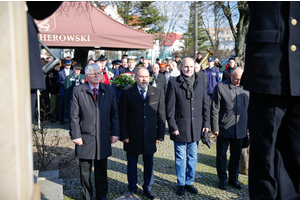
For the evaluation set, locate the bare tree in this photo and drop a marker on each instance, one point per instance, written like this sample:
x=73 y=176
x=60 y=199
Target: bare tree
x=218 y=14
x=243 y=22
x=172 y=13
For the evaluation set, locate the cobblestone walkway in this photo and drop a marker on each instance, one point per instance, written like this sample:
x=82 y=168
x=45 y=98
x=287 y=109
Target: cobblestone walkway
x=206 y=180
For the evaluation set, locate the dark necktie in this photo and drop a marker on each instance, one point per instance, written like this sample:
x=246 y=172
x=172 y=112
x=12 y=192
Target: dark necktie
x=142 y=93
x=95 y=93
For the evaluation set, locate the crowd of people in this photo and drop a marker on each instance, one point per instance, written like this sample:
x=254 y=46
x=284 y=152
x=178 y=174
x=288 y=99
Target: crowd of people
x=181 y=94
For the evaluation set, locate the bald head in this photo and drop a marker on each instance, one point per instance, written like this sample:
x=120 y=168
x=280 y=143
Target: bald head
x=236 y=76
x=187 y=67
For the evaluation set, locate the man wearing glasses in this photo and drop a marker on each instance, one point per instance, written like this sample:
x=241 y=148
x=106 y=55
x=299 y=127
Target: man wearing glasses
x=229 y=122
x=94 y=125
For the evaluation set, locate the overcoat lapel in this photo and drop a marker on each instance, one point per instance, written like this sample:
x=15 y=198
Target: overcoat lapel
x=135 y=92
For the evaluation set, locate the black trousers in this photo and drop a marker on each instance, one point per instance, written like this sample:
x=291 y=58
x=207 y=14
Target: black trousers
x=132 y=161
x=274 y=165
x=235 y=154
x=100 y=172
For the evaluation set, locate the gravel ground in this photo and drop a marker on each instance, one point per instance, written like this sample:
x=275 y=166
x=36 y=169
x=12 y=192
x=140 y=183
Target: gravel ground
x=206 y=180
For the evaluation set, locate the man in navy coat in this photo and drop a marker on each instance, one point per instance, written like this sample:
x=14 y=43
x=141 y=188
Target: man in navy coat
x=187 y=115
x=94 y=125
x=272 y=75
x=61 y=81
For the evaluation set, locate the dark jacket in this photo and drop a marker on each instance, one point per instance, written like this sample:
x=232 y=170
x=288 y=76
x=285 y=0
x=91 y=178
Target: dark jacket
x=61 y=80
x=160 y=83
x=142 y=121
x=51 y=80
x=226 y=73
x=188 y=116
x=93 y=121
x=271 y=65
x=212 y=79
x=203 y=75
x=229 y=110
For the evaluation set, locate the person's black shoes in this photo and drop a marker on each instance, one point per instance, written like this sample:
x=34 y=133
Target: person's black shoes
x=180 y=190
x=149 y=194
x=222 y=185
x=191 y=189
x=61 y=123
x=235 y=184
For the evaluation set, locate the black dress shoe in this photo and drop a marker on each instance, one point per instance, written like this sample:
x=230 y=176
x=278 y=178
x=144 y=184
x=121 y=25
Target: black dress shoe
x=191 y=189
x=149 y=194
x=235 y=184
x=222 y=185
x=61 y=123
x=180 y=190
x=52 y=120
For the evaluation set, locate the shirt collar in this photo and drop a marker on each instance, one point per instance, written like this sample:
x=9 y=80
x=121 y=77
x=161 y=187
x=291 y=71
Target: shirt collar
x=91 y=87
x=139 y=89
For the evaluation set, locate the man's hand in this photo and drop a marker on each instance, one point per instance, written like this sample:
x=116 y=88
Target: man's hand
x=114 y=139
x=205 y=129
x=126 y=140
x=176 y=132
x=216 y=133
x=78 y=141
x=158 y=141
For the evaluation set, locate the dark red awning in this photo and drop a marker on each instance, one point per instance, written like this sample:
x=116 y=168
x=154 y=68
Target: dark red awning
x=81 y=24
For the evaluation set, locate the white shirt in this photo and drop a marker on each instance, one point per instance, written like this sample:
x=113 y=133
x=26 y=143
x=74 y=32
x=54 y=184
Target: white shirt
x=67 y=71
x=145 y=93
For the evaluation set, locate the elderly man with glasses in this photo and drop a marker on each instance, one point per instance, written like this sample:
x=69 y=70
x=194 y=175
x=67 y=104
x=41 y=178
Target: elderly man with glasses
x=94 y=125
x=229 y=120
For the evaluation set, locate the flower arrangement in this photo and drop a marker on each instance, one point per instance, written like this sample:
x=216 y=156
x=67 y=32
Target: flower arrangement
x=123 y=80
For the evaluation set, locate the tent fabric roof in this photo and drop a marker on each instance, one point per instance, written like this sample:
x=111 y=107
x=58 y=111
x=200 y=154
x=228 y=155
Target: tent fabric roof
x=81 y=24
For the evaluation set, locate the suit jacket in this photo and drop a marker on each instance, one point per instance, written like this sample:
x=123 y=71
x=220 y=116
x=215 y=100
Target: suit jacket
x=93 y=121
x=68 y=88
x=271 y=65
x=142 y=121
x=188 y=116
x=61 y=80
x=160 y=83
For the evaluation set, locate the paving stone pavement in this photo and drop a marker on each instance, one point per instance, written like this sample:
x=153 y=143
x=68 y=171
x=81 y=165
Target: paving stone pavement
x=206 y=180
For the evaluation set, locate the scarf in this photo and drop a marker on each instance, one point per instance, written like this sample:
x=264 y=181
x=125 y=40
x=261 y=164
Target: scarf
x=189 y=80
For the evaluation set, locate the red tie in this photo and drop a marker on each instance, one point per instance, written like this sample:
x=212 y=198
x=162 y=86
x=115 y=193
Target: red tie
x=95 y=93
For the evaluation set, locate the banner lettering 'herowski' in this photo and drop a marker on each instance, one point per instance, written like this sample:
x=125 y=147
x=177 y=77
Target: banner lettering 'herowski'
x=64 y=38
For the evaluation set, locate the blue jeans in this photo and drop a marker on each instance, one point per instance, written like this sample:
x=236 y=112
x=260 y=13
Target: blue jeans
x=185 y=171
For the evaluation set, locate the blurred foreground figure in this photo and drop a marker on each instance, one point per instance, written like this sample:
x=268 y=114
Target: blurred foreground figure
x=272 y=76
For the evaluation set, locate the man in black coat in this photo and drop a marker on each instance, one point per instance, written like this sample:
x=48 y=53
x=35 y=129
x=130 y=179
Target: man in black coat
x=229 y=122
x=187 y=115
x=159 y=80
x=54 y=90
x=142 y=122
x=94 y=125
x=272 y=76
x=231 y=67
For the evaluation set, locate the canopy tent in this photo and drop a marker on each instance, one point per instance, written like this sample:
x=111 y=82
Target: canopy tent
x=81 y=24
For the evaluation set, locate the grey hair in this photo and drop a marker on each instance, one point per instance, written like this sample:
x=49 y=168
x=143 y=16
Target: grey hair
x=234 y=69
x=92 y=66
x=137 y=71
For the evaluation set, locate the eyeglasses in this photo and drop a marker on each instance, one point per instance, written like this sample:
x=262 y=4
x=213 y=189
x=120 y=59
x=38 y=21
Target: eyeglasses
x=94 y=74
x=236 y=78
